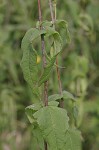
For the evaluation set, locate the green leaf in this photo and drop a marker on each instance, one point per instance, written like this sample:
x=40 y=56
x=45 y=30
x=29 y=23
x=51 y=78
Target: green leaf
x=73 y=140
x=29 y=68
x=47 y=71
x=53 y=122
x=54 y=97
x=43 y=24
x=34 y=107
x=52 y=50
x=29 y=59
x=75 y=112
x=46 y=24
x=37 y=134
x=67 y=95
x=50 y=32
x=64 y=26
x=53 y=103
x=30 y=110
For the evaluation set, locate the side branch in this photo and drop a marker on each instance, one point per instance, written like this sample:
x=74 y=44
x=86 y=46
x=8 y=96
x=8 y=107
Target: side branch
x=53 y=17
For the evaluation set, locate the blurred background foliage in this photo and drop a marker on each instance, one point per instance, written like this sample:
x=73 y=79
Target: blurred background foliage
x=80 y=77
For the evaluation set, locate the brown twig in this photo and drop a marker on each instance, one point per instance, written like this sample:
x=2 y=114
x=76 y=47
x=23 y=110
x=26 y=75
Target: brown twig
x=44 y=63
x=53 y=17
x=43 y=56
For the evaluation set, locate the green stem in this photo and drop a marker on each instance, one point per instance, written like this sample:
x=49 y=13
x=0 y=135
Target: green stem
x=51 y=11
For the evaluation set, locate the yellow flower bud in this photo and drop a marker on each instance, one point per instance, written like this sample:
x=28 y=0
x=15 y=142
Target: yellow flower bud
x=38 y=59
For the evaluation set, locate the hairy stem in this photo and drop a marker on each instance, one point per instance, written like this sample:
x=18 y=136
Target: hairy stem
x=53 y=17
x=44 y=62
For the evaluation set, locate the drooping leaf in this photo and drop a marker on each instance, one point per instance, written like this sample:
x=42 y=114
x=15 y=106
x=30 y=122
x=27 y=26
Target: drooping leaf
x=57 y=40
x=47 y=71
x=50 y=32
x=64 y=26
x=29 y=59
x=53 y=122
x=68 y=95
x=29 y=67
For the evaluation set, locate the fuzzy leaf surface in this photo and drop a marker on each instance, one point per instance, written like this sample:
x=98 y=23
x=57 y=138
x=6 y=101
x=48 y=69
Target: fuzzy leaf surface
x=37 y=134
x=29 y=59
x=73 y=140
x=53 y=122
